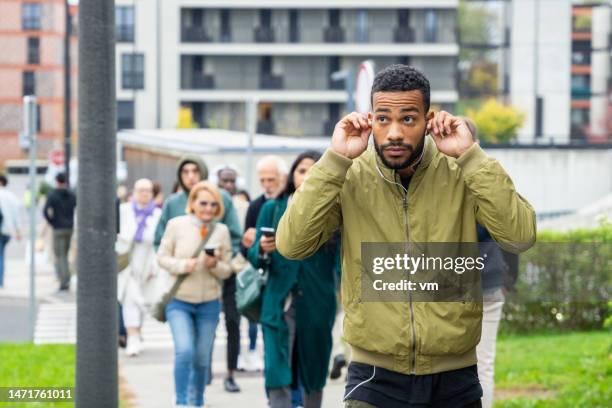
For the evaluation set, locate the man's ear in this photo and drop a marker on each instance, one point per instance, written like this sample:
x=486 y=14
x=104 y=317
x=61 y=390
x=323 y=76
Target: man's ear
x=429 y=115
x=370 y=116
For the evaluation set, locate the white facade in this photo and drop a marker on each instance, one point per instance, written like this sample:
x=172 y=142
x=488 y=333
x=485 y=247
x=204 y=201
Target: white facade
x=541 y=63
x=600 y=66
x=145 y=100
x=158 y=35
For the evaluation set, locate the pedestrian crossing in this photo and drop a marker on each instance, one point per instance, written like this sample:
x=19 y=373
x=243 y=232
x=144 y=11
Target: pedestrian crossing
x=56 y=323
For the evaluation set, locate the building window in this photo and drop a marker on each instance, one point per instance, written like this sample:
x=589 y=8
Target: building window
x=132 y=71
x=403 y=18
x=125 y=115
x=431 y=24
x=361 y=35
x=38 y=118
x=404 y=60
x=294 y=30
x=265 y=18
x=265 y=32
x=124 y=24
x=29 y=84
x=334 y=18
x=226 y=32
x=334 y=66
x=33 y=50
x=30 y=16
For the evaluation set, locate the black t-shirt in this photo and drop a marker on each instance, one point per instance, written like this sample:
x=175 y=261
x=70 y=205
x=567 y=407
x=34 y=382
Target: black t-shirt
x=389 y=389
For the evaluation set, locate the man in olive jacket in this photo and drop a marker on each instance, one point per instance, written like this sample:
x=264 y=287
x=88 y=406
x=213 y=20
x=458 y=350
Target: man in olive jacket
x=407 y=187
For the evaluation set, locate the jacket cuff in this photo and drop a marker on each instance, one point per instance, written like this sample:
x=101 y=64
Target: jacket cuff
x=472 y=159
x=335 y=164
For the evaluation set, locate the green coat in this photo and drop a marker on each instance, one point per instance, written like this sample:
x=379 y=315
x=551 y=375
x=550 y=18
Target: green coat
x=315 y=308
x=445 y=199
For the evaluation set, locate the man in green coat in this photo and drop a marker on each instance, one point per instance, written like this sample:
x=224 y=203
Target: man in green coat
x=407 y=187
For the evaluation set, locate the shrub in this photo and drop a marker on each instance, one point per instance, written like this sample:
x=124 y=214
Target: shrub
x=564 y=283
x=496 y=123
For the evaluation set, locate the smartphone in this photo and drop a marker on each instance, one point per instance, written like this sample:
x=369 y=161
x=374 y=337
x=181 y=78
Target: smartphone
x=268 y=232
x=210 y=250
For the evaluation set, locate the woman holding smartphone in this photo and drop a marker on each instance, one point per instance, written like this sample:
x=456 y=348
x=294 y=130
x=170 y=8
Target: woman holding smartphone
x=193 y=314
x=298 y=305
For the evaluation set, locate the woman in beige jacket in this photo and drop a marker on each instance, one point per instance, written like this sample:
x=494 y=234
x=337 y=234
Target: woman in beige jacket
x=193 y=314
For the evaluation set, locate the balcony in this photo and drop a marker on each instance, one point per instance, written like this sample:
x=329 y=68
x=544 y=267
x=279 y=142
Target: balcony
x=403 y=35
x=264 y=34
x=198 y=82
x=334 y=35
x=195 y=34
x=269 y=81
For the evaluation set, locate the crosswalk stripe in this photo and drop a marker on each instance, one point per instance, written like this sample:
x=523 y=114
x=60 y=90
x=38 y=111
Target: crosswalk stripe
x=56 y=323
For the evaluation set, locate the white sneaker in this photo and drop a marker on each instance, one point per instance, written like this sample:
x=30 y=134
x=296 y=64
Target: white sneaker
x=133 y=346
x=242 y=364
x=254 y=362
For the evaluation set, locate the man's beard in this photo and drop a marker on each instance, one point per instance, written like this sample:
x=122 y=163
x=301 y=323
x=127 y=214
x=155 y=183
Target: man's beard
x=416 y=153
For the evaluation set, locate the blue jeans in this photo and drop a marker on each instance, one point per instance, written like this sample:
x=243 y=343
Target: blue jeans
x=4 y=239
x=193 y=328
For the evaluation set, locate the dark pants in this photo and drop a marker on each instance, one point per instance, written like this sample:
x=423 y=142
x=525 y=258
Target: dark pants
x=232 y=322
x=4 y=239
x=61 y=245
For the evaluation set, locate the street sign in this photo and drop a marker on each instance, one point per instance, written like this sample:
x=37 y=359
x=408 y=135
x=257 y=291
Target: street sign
x=56 y=157
x=363 y=88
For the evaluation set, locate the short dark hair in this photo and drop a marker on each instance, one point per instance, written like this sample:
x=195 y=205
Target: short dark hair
x=3 y=180
x=60 y=177
x=400 y=78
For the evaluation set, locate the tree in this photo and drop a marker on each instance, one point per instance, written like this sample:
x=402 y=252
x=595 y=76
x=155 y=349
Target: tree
x=496 y=123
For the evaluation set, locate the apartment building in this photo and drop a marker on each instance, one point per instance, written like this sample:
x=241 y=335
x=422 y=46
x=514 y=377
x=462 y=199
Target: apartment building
x=212 y=57
x=32 y=36
x=591 y=104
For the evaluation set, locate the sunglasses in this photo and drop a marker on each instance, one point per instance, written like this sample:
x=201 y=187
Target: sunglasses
x=212 y=204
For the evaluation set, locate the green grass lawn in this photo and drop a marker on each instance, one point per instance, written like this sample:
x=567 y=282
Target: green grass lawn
x=27 y=365
x=550 y=370
x=554 y=370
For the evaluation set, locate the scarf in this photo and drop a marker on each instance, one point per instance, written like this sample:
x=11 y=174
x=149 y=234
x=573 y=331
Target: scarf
x=141 y=215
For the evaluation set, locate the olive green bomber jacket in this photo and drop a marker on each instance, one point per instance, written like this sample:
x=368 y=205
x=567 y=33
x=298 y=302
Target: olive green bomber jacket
x=445 y=199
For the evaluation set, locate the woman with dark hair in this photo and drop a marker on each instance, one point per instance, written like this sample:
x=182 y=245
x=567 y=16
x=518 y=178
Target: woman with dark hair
x=299 y=303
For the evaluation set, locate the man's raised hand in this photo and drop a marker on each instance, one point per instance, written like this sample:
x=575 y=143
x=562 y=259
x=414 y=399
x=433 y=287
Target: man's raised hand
x=451 y=134
x=351 y=134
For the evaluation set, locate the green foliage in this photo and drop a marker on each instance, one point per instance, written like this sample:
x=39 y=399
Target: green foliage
x=564 y=283
x=582 y=23
x=496 y=123
x=475 y=27
x=554 y=371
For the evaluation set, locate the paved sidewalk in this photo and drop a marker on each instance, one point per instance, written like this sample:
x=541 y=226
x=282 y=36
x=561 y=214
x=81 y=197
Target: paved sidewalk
x=149 y=377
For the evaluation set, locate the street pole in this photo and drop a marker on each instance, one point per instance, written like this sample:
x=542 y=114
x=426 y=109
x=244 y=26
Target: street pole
x=96 y=365
x=29 y=128
x=67 y=95
x=251 y=121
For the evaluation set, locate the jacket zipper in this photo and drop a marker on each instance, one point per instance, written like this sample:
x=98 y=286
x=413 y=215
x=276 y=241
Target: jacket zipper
x=407 y=229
